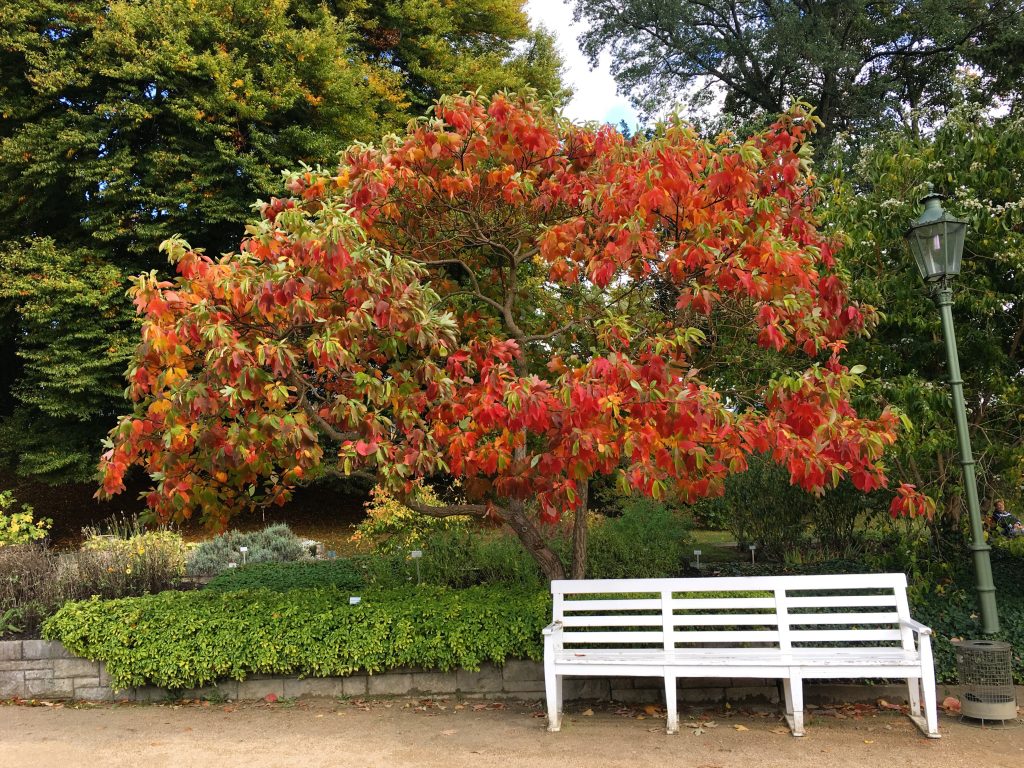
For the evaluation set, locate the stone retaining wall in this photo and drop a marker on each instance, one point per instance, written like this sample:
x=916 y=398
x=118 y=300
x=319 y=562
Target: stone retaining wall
x=42 y=669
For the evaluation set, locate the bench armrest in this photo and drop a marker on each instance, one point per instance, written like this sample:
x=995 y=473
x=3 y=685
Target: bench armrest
x=916 y=626
x=550 y=629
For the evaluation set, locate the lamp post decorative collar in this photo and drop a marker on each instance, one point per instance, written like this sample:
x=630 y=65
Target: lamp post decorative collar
x=936 y=240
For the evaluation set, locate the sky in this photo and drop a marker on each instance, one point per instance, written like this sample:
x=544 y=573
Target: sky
x=596 y=96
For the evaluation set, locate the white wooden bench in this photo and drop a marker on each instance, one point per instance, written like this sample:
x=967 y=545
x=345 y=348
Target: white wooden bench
x=783 y=627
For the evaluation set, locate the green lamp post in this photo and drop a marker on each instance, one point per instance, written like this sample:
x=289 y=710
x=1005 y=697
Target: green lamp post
x=937 y=241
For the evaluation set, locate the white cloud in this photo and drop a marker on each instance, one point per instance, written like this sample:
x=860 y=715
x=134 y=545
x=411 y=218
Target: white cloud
x=595 y=96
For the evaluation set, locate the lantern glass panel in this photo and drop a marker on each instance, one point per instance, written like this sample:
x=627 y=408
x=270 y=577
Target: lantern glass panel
x=938 y=248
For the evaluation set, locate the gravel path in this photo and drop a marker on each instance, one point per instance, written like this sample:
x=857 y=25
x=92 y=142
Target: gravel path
x=448 y=734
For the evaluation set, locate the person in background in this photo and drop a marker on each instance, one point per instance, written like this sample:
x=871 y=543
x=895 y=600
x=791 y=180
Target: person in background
x=1005 y=523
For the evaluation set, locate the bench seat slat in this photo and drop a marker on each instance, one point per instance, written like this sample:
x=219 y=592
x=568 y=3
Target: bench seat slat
x=732 y=583
x=871 y=657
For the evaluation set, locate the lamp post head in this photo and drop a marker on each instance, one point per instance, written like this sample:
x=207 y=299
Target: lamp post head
x=936 y=240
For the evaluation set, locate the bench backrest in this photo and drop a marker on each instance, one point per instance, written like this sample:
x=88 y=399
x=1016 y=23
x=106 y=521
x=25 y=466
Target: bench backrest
x=751 y=613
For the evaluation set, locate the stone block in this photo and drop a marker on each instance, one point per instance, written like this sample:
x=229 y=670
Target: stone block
x=38 y=674
x=648 y=682
x=759 y=694
x=44 y=649
x=94 y=693
x=50 y=688
x=519 y=670
x=147 y=693
x=434 y=682
x=390 y=684
x=314 y=686
x=76 y=668
x=252 y=689
x=12 y=684
x=521 y=686
x=586 y=688
x=487 y=680
x=10 y=650
x=701 y=695
x=634 y=696
x=225 y=689
x=623 y=683
x=25 y=664
x=701 y=682
x=354 y=685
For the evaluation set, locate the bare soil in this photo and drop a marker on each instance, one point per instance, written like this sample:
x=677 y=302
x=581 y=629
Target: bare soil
x=452 y=734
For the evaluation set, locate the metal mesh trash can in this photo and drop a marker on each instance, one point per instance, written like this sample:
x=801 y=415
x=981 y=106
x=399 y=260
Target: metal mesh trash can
x=986 y=673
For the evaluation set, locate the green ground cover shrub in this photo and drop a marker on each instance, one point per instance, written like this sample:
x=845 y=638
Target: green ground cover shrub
x=187 y=639
x=275 y=543
x=343 y=574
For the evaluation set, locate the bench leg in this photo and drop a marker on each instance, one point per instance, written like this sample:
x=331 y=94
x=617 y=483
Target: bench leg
x=553 y=690
x=793 y=689
x=672 y=724
x=914 y=695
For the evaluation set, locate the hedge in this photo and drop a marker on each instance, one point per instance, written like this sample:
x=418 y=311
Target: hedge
x=182 y=640
x=342 y=574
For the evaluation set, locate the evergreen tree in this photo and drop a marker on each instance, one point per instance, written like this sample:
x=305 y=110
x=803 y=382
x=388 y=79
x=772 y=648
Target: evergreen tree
x=126 y=122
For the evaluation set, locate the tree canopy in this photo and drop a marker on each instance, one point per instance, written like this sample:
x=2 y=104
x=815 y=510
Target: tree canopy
x=464 y=300
x=124 y=123
x=863 y=65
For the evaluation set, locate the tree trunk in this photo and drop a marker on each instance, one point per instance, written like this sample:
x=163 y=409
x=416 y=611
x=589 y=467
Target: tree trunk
x=579 y=535
x=550 y=564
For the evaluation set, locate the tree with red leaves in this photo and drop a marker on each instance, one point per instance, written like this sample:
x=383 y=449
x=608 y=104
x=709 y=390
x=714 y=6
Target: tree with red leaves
x=517 y=301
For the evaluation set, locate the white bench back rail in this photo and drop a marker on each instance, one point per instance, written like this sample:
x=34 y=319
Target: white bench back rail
x=746 y=614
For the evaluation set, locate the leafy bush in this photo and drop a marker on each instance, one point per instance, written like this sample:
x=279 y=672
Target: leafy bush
x=342 y=574
x=648 y=540
x=390 y=526
x=275 y=543
x=187 y=639
x=20 y=527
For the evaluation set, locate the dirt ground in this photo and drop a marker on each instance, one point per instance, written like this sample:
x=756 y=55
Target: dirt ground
x=450 y=734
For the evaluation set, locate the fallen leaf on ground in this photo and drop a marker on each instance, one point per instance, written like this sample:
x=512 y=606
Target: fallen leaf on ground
x=587 y=713
x=739 y=727
x=869 y=741
x=951 y=704
x=448 y=732
x=780 y=730
x=650 y=709
x=710 y=724
x=883 y=704
x=691 y=724
x=270 y=698
x=697 y=731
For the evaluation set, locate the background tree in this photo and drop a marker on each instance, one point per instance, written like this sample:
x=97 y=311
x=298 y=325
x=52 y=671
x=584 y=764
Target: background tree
x=862 y=65
x=978 y=161
x=486 y=330
x=127 y=122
